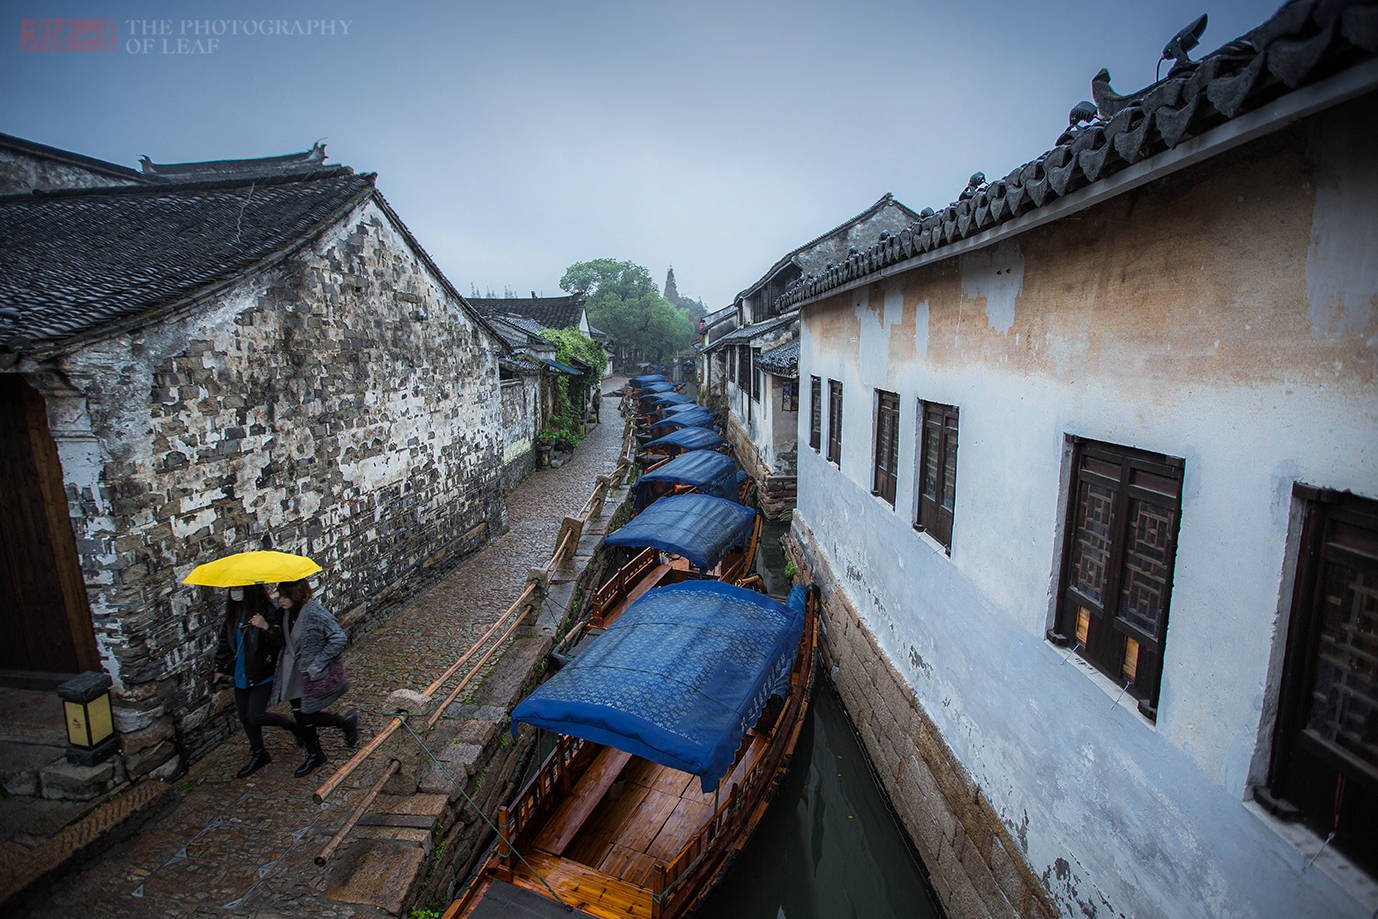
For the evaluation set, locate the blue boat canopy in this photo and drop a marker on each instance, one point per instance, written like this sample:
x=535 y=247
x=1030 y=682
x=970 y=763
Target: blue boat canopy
x=563 y=368
x=657 y=387
x=701 y=528
x=678 y=679
x=706 y=471
x=689 y=439
x=670 y=398
x=683 y=407
x=647 y=378
x=703 y=419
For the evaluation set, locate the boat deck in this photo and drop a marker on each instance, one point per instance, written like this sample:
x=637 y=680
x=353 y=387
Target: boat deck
x=599 y=852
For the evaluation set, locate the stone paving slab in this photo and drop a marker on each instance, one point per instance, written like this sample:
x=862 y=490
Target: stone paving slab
x=245 y=847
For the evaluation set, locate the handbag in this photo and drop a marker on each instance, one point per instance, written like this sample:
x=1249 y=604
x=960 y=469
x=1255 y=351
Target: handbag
x=332 y=682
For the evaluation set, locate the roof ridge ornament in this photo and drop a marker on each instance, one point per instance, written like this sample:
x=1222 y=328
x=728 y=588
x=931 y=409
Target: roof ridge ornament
x=1176 y=49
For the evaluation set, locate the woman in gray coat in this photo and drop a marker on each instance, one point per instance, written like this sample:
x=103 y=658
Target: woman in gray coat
x=312 y=676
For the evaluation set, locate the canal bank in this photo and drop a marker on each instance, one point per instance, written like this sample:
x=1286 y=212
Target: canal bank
x=976 y=864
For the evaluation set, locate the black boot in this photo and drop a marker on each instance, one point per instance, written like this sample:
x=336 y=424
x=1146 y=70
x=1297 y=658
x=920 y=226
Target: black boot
x=315 y=758
x=258 y=758
x=351 y=729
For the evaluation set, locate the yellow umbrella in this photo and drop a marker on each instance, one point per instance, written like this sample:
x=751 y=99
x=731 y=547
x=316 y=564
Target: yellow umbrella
x=242 y=568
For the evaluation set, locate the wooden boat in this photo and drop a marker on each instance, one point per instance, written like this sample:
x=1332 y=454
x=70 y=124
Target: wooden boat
x=674 y=730
x=704 y=472
x=680 y=441
x=679 y=538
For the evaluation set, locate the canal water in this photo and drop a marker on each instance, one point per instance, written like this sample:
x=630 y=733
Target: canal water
x=829 y=847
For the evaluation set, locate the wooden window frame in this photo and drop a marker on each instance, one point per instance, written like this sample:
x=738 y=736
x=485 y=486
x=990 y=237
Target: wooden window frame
x=730 y=358
x=835 y=423
x=816 y=414
x=1311 y=778
x=932 y=514
x=789 y=396
x=884 y=466
x=1111 y=643
x=756 y=374
x=743 y=366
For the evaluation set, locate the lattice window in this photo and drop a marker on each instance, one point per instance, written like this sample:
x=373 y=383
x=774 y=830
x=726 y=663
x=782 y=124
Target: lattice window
x=937 y=471
x=1120 y=545
x=887 y=444
x=756 y=374
x=835 y=422
x=1324 y=767
x=789 y=396
x=815 y=413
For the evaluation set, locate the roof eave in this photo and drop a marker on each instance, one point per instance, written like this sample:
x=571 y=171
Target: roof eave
x=1267 y=119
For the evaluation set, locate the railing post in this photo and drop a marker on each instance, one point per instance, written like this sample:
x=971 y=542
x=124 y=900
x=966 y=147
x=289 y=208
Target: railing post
x=657 y=889
x=504 y=846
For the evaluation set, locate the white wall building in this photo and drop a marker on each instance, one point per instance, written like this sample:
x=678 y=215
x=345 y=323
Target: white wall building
x=1088 y=469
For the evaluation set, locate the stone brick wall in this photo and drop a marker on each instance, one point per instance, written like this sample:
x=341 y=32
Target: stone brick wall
x=977 y=865
x=341 y=403
x=521 y=416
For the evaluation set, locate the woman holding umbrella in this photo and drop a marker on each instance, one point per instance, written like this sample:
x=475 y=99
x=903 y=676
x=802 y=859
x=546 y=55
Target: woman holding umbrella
x=312 y=673
x=247 y=651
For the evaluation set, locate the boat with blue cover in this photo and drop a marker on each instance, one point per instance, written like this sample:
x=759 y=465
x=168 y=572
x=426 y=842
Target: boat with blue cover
x=674 y=539
x=673 y=731
x=704 y=472
x=681 y=441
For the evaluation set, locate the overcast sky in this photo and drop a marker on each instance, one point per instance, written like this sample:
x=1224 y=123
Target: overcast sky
x=515 y=138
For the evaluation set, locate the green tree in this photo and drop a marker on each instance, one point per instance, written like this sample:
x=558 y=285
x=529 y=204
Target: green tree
x=622 y=300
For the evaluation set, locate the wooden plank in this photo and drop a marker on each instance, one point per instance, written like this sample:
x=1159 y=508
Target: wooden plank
x=575 y=809
x=671 y=781
x=588 y=849
x=584 y=888
x=686 y=820
x=611 y=817
x=643 y=825
x=629 y=864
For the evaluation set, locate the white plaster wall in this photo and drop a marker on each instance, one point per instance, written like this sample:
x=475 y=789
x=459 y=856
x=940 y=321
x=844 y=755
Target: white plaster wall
x=1116 y=812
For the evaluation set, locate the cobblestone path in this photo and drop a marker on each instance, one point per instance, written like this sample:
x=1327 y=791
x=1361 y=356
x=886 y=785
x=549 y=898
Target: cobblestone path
x=235 y=847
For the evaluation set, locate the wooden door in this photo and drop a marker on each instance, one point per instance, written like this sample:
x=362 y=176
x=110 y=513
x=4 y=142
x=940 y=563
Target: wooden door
x=45 y=621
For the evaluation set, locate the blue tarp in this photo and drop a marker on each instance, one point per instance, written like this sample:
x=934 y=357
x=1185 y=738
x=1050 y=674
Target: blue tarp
x=683 y=407
x=678 y=679
x=708 y=472
x=657 y=387
x=563 y=368
x=703 y=419
x=701 y=528
x=689 y=439
x=647 y=378
x=670 y=398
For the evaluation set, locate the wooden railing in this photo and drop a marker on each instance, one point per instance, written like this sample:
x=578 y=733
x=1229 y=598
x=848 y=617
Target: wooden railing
x=607 y=596
x=487 y=645
x=555 y=777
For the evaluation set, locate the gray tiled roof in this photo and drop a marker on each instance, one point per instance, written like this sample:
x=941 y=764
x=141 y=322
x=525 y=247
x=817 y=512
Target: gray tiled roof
x=75 y=261
x=782 y=361
x=550 y=312
x=1304 y=42
x=748 y=332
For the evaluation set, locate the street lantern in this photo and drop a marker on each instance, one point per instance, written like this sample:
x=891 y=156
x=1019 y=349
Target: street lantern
x=90 y=727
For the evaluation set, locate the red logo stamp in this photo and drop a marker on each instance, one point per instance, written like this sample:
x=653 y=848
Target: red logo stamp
x=37 y=35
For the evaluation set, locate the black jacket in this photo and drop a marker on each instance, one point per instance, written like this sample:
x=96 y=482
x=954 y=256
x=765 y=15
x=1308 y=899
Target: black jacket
x=261 y=646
